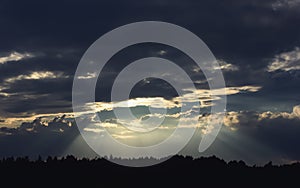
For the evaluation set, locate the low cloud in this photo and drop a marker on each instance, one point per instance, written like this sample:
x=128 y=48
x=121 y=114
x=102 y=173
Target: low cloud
x=295 y=114
x=234 y=120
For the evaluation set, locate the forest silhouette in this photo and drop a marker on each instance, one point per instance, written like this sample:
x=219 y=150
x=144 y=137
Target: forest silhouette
x=177 y=171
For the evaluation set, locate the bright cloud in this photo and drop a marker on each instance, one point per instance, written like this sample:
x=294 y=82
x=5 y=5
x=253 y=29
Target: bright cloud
x=15 y=56
x=218 y=65
x=89 y=75
x=95 y=130
x=37 y=76
x=286 y=61
x=2 y=93
x=155 y=102
x=162 y=52
x=226 y=66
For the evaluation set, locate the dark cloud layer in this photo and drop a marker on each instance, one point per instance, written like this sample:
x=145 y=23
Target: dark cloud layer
x=247 y=34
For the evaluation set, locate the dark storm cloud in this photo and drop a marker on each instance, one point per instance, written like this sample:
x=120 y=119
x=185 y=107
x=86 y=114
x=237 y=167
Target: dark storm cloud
x=247 y=34
x=238 y=28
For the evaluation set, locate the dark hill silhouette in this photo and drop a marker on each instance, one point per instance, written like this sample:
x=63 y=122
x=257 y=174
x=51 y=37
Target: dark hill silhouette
x=177 y=171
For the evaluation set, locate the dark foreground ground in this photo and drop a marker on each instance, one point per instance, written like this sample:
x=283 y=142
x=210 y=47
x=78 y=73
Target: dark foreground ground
x=176 y=172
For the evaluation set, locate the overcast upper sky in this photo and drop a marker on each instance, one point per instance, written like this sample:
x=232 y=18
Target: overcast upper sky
x=256 y=43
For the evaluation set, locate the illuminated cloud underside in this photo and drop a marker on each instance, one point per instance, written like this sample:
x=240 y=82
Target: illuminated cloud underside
x=15 y=56
x=189 y=119
x=286 y=61
x=200 y=95
x=222 y=65
x=36 y=75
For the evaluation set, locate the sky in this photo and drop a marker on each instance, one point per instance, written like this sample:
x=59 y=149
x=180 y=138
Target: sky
x=256 y=43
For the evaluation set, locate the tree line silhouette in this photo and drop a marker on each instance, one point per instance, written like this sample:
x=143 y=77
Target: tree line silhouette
x=177 y=171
